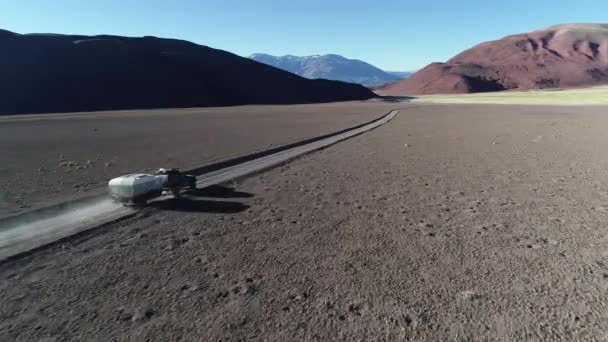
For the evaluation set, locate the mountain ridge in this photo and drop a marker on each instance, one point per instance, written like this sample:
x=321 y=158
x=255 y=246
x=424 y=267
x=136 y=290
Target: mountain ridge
x=45 y=73
x=565 y=55
x=329 y=66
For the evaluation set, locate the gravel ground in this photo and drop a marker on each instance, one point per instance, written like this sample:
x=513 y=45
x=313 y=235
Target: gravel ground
x=46 y=159
x=448 y=223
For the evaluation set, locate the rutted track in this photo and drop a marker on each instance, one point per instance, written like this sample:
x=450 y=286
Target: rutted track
x=34 y=229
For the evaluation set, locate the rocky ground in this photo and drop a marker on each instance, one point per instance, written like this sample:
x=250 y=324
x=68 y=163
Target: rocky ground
x=448 y=223
x=50 y=158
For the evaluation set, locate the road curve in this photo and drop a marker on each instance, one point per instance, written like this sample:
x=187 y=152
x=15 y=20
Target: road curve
x=34 y=229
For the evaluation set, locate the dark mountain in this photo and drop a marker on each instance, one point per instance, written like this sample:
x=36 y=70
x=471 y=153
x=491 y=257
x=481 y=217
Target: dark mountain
x=569 y=55
x=331 y=67
x=44 y=73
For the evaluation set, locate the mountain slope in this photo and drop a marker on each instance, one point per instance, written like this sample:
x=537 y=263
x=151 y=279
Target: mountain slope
x=331 y=67
x=44 y=73
x=568 y=55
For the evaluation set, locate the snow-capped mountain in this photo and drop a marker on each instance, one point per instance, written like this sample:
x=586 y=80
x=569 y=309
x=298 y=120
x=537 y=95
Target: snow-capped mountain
x=331 y=67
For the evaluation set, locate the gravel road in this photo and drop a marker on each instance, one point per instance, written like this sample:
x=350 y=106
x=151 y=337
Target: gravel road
x=50 y=158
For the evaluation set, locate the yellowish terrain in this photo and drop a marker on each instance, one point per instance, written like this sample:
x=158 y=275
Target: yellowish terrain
x=595 y=95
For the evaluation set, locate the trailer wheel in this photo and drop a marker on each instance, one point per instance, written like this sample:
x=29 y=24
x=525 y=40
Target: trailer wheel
x=190 y=181
x=140 y=202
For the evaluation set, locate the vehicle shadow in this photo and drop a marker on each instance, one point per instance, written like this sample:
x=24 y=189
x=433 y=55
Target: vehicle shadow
x=202 y=201
x=191 y=205
x=218 y=191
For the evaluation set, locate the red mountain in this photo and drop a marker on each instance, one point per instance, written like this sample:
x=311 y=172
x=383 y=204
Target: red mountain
x=569 y=55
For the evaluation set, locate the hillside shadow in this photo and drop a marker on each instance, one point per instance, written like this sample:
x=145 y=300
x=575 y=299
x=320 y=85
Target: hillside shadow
x=396 y=99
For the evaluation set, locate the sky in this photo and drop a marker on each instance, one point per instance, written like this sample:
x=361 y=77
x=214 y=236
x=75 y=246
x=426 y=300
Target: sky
x=393 y=35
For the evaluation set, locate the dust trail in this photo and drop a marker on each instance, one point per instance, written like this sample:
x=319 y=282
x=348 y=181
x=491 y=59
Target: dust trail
x=53 y=223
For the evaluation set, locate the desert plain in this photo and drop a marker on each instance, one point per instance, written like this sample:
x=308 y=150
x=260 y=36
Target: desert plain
x=450 y=222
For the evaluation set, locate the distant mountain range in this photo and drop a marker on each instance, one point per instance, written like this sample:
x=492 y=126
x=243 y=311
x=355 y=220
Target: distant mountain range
x=569 y=55
x=331 y=67
x=401 y=74
x=44 y=73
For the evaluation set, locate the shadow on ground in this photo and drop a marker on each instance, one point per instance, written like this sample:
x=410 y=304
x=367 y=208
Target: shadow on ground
x=218 y=191
x=394 y=99
x=200 y=206
x=202 y=201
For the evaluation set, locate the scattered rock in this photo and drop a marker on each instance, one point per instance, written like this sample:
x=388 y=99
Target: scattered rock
x=355 y=309
x=109 y=164
x=250 y=289
x=465 y=295
x=143 y=314
x=70 y=163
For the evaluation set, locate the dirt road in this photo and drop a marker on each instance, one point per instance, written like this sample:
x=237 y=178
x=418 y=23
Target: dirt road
x=36 y=228
x=49 y=158
x=449 y=223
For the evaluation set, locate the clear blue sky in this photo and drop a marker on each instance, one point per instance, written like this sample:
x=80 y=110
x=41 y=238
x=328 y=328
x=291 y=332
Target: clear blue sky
x=391 y=34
